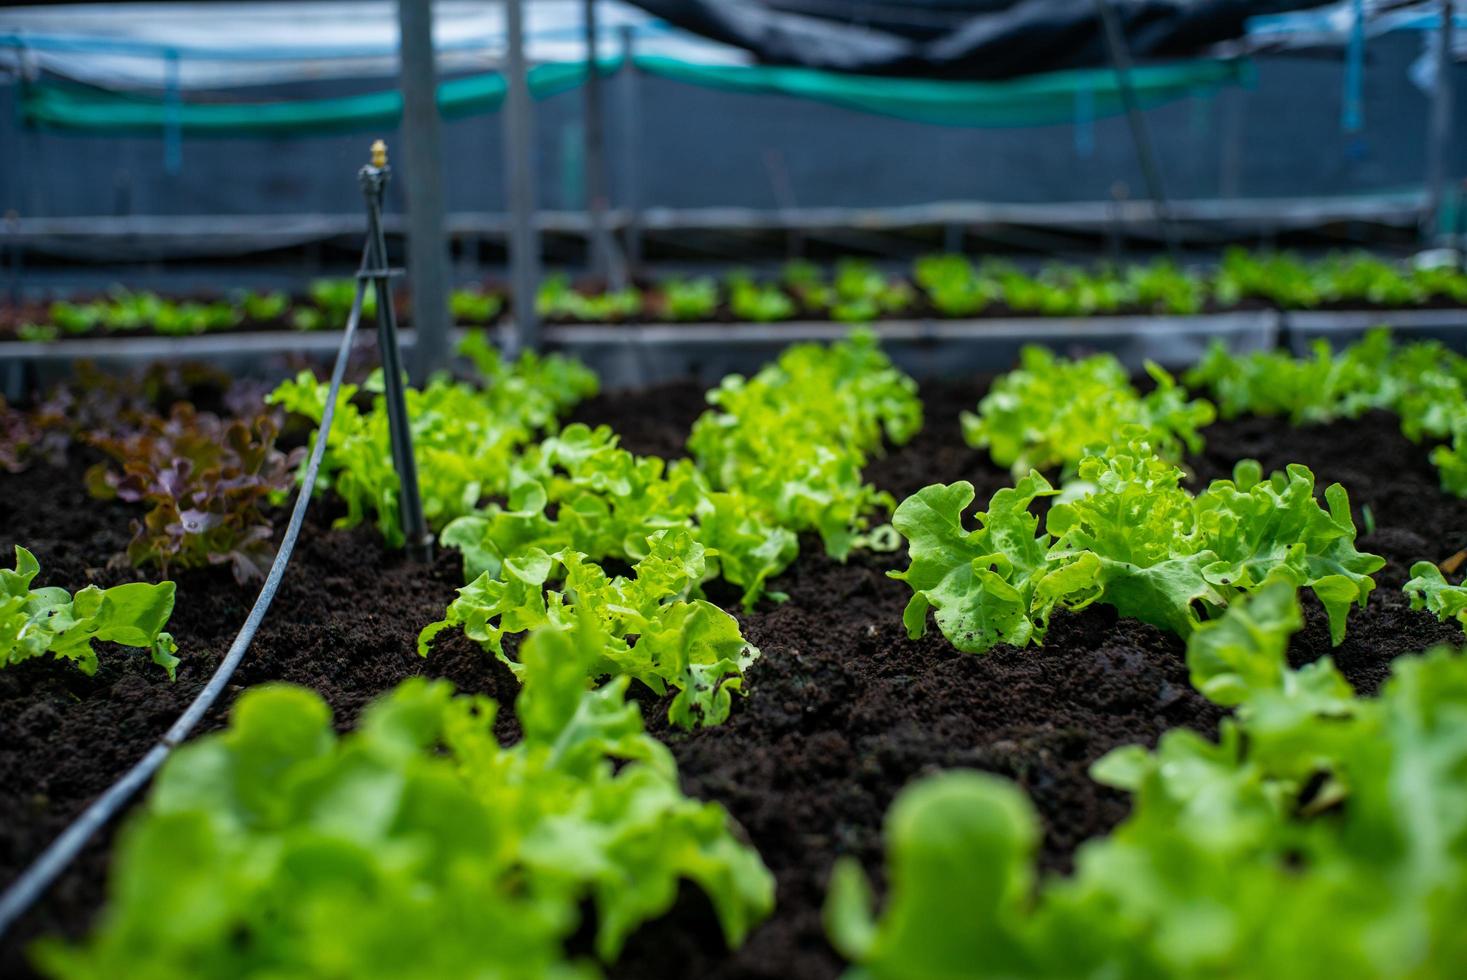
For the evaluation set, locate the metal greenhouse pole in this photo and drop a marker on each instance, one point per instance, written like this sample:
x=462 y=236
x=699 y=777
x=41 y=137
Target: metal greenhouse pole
x=524 y=241
x=1120 y=59
x=629 y=113
x=1441 y=128
x=605 y=263
x=423 y=176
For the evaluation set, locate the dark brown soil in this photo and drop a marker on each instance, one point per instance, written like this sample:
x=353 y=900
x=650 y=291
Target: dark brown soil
x=345 y=622
x=843 y=709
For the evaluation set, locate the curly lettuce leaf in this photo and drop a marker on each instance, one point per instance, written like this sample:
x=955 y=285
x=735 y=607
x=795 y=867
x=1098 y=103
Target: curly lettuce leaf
x=780 y=454
x=1132 y=538
x=607 y=503
x=793 y=439
x=981 y=584
x=417 y=845
x=1243 y=653
x=1430 y=590
x=646 y=627
x=1050 y=411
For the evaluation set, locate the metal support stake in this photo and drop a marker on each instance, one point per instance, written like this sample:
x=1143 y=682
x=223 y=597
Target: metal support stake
x=427 y=244
x=1120 y=59
x=606 y=265
x=629 y=102
x=1441 y=130
x=524 y=241
x=374 y=269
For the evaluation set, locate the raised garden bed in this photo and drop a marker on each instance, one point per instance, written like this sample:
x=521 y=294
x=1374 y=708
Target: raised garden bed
x=842 y=711
x=938 y=287
x=631 y=356
x=634 y=355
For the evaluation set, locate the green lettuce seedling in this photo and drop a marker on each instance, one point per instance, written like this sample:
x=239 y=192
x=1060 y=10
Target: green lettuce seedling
x=647 y=627
x=685 y=300
x=465 y=438
x=795 y=437
x=1135 y=540
x=757 y=303
x=418 y=845
x=953 y=284
x=1050 y=410
x=1430 y=590
x=34 y=622
x=579 y=491
x=557 y=299
x=780 y=453
x=473 y=306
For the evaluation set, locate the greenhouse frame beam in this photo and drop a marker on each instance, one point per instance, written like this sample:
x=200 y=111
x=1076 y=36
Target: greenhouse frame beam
x=605 y=264
x=1439 y=149
x=519 y=149
x=1120 y=59
x=629 y=117
x=149 y=236
x=427 y=243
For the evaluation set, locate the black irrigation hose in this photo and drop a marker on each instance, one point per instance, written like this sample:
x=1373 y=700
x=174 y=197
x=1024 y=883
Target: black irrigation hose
x=29 y=887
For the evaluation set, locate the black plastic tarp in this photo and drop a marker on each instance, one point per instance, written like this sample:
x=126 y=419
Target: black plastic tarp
x=961 y=39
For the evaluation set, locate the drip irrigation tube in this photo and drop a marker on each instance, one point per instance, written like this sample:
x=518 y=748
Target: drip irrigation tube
x=29 y=887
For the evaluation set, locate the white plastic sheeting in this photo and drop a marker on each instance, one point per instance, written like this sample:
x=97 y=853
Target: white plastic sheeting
x=1331 y=26
x=138 y=46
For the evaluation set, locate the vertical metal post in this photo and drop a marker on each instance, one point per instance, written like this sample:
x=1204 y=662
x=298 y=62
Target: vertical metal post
x=1120 y=58
x=427 y=246
x=1352 y=100
x=524 y=240
x=629 y=89
x=1440 y=144
x=604 y=261
x=374 y=178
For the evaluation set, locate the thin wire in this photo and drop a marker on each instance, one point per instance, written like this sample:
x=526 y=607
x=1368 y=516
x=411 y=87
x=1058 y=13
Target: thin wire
x=31 y=885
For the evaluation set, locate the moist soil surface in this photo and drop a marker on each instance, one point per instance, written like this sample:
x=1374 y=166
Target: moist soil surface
x=842 y=711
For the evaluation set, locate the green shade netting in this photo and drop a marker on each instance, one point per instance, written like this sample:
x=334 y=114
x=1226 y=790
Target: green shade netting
x=1033 y=101
x=53 y=105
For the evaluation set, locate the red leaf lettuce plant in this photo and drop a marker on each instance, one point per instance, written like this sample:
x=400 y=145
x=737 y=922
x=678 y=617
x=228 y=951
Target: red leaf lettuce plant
x=207 y=483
